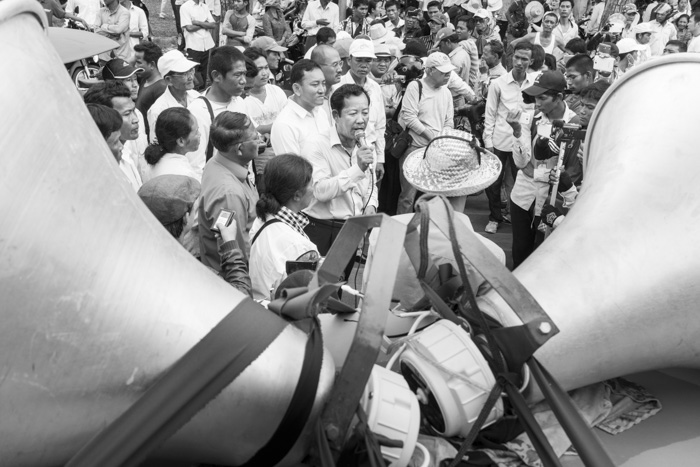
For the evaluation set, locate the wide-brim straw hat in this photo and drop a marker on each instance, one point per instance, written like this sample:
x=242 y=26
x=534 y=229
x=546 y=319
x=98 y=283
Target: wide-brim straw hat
x=534 y=12
x=473 y=5
x=451 y=165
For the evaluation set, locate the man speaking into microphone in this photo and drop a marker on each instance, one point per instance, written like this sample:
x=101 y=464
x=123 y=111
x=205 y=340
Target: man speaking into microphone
x=344 y=182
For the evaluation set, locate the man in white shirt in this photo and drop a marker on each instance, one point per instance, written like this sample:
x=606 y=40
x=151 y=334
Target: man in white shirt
x=567 y=28
x=505 y=94
x=227 y=68
x=360 y=61
x=113 y=22
x=87 y=9
x=664 y=29
x=138 y=23
x=303 y=116
x=343 y=178
x=331 y=64
x=395 y=23
x=196 y=21
x=116 y=95
x=319 y=13
x=427 y=109
x=178 y=72
x=694 y=44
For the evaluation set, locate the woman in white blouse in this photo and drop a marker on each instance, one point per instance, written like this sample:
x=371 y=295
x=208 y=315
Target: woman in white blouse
x=177 y=133
x=277 y=235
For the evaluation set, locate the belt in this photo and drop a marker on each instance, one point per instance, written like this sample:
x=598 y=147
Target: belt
x=327 y=222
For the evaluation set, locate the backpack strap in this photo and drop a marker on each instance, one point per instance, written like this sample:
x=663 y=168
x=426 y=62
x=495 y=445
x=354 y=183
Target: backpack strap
x=395 y=117
x=274 y=220
x=210 y=147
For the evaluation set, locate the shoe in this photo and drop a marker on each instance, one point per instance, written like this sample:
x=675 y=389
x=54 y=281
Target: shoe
x=506 y=218
x=491 y=227
x=162 y=16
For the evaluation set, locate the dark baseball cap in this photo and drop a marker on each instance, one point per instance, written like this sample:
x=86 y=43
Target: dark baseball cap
x=551 y=80
x=118 y=69
x=413 y=12
x=169 y=197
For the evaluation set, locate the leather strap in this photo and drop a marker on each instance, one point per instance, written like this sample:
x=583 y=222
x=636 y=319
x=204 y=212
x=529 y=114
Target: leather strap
x=274 y=220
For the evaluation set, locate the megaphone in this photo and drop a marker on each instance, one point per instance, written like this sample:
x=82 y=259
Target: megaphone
x=619 y=275
x=98 y=300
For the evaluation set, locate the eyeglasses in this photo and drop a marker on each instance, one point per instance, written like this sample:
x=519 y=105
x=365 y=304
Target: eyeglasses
x=187 y=74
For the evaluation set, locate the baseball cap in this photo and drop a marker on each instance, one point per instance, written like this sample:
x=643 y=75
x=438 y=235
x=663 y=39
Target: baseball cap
x=628 y=45
x=440 y=61
x=616 y=27
x=482 y=13
x=629 y=8
x=642 y=28
x=551 y=80
x=442 y=34
x=118 y=69
x=362 y=48
x=413 y=12
x=169 y=197
x=382 y=50
x=174 y=60
x=267 y=44
x=416 y=48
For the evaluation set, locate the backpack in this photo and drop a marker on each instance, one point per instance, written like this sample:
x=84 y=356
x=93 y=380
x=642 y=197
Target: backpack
x=397 y=138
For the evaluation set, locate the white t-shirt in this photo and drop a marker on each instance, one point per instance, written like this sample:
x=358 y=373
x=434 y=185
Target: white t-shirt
x=275 y=245
x=694 y=45
x=264 y=113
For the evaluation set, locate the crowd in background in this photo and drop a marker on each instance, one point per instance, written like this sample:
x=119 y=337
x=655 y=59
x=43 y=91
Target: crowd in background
x=293 y=120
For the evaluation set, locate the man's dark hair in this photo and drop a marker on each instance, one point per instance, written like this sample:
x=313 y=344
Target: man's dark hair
x=107 y=119
x=453 y=38
x=229 y=128
x=525 y=45
x=469 y=21
x=682 y=46
x=372 y=6
x=571 y=2
x=254 y=53
x=576 y=46
x=343 y=92
x=222 y=60
x=595 y=91
x=103 y=93
x=324 y=34
x=358 y=3
x=538 y=54
x=392 y=3
x=581 y=63
x=551 y=61
x=496 y=47
x=151 y=52
x=284 y=175
x=300 y=68
x=434 y=3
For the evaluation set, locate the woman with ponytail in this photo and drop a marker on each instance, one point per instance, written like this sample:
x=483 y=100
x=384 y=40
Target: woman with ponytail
x=277 y=235
x=177 y=133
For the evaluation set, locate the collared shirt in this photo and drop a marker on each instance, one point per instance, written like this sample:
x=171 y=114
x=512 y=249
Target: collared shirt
x=171 y=164
x=131 y=172
x=115 y=26
x=355 y=29
x=199 y=109
x=137 y=23
x=295 y=124
x=460 y=58
x=664 y=33
x=532 y=181
x=341 y=188
x=200 y=40
x=376 y=126
x=166 y=101
x=504 y=94
x=428 y=40
x=394 y=28
x=470 y=46
x=571 y=33
x=433 y=110
x=315 y=11
x=225 y=185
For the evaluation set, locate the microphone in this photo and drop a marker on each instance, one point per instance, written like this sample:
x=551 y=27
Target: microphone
x=360 y=137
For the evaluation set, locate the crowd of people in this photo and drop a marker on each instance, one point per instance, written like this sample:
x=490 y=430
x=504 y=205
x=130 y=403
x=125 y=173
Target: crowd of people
x=292 y=120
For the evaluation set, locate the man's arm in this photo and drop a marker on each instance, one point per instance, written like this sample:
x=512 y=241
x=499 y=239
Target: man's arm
x=234 y=269
x=122 y=25
x=410 y=108
x=250 y=31
x=327 y=186
x=490 y=114
x=186 y=21
x=460 y=87
x=449 y=121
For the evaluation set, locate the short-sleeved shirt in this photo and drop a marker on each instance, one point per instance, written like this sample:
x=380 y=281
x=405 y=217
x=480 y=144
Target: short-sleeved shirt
x=295 y=124
x=201 y=39
x=264 y=113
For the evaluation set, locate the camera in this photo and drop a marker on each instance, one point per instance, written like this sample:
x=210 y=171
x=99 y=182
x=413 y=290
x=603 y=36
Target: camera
x=569 y=132
x=603 y=61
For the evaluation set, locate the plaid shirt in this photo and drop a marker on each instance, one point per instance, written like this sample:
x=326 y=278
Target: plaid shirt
x=292 y=219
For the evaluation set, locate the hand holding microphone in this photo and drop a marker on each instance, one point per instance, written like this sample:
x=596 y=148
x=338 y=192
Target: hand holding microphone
x=365 y=155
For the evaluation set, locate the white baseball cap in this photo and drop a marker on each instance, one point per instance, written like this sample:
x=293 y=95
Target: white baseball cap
x=440 y=61
x=482 y=13
x=362 y=48
x=628 y=45
x=642 y=28
x=174 y=60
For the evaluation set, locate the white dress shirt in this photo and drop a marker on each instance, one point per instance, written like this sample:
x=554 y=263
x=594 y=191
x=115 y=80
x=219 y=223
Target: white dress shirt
x=88 y=9
x=504 y=94
x=165 y=101
x=201 y=39
x=172 y=164
x=128 y=168
x=315 y=11
x=294 y=125
x=376 y=126
x=341 y=188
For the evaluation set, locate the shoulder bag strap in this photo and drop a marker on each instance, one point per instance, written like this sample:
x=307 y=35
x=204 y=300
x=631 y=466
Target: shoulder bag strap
x=210 y=147
x=257 y=234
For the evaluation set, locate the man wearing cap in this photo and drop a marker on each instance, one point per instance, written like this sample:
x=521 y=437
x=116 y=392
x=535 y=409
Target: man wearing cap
x=120 y=70
x=172 y=199
x=631 y=20
x=178 y=72
x=196 y=21
x=227 y=73
x=447 y=42
x=113 y=23
x=535 y=153
x=152 y=85
x=427 y=109
x=504 y=95
x=319 y=13
x=412 y=28
x=361 y=57
x=485 y=29
x=387 y=80
x=625 y=59
x=665 y=30
x=435 y=23
x=273 y=52
x=303 y=115
x=328 y=59
x=642 y=34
